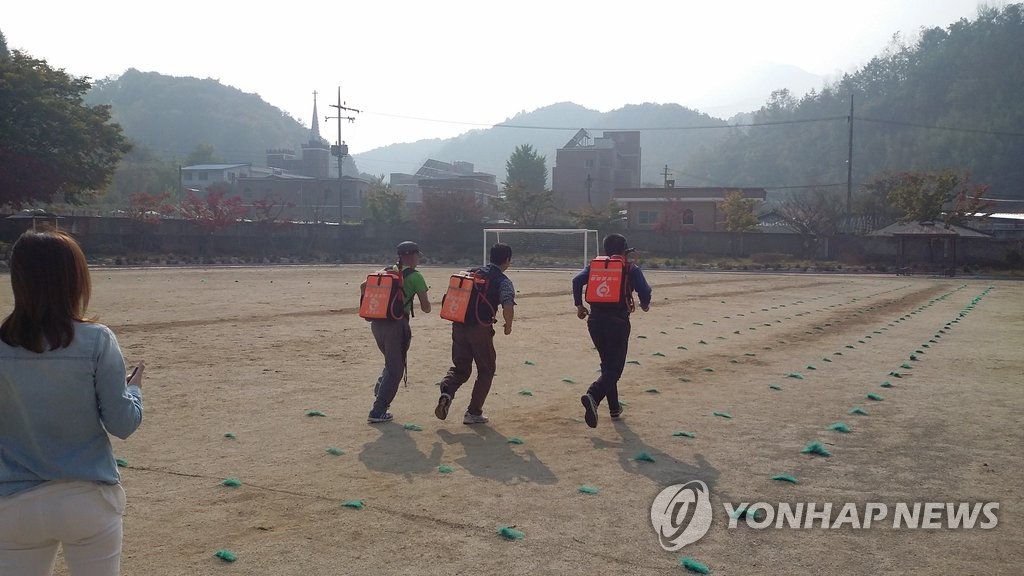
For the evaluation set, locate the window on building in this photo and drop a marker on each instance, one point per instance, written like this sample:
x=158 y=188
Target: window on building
x=203 y=175
x=648 y=217
x=188 y=175
x=686 y=217
x=589 y=163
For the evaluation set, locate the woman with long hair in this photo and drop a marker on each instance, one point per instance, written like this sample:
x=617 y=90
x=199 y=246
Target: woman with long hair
x=63 y=389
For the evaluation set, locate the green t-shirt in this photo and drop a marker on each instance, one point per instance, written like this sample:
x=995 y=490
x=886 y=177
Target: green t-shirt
x=413 y=284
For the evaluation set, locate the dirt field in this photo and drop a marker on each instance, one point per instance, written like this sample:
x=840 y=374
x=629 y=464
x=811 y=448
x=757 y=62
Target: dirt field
x=251 y=350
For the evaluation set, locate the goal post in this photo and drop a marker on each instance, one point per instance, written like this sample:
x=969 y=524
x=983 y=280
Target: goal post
x=560 y=247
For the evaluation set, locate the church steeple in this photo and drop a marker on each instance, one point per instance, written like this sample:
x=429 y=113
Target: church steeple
x=315 y=134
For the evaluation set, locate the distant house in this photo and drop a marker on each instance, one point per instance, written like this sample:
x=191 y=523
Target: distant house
x=300 y=186
x=1005 y=221
x=307 y=199
x=438 y=176
x=588 y=170
x=35 y=217
x=774 y=222
x=202 y=176
x=930 y=246
x=687 y=209
x=1006 y=225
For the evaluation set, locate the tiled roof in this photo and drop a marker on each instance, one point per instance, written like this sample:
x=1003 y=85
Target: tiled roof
x=927 y=229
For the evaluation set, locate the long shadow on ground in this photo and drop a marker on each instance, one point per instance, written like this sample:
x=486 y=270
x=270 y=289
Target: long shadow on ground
x=395 y=452
x=489 y=455
x=665 y=470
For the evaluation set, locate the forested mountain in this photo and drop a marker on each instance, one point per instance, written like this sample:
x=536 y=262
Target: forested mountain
x=171 y=116
x=951 y=100
x=548 y=129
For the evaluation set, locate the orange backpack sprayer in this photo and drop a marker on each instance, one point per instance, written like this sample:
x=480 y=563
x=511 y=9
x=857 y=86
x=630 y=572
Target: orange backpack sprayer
x=383 y=296
x=608 y=282
x=465 y=301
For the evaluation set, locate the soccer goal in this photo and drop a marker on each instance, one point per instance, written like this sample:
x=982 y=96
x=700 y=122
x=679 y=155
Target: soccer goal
x=557 y=247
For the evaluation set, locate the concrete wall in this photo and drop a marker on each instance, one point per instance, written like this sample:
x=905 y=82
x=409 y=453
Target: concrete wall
x=367 y=242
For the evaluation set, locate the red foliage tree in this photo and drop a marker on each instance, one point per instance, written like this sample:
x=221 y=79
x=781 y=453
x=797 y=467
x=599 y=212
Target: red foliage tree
x=267 y=212
x=149 y=208
x=215 y=211
x=268 y=209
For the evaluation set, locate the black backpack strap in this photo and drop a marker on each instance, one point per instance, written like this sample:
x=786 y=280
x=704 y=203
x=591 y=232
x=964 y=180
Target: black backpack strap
x=491 y=295
x=407 y=302
x=627 y=286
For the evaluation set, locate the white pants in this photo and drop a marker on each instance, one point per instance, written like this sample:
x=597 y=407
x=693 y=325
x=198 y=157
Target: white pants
x=83 y=516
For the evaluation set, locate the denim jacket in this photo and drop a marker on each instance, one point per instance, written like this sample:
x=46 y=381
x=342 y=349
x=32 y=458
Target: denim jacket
x=57 y=407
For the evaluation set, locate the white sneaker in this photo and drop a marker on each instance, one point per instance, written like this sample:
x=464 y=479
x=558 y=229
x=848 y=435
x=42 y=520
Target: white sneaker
x=474 y=419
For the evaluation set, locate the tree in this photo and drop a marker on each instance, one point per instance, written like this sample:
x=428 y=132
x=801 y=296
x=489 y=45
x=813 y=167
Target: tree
x=269 y=209
x=141 y=170
x=526 y=199
x=215 y=211
x=526 y=169
x=52 y=145
x=814 y=212
x=606 y=220
x=738 y=212
x=267 y=212
x=149 y=208
x=145 y=211
x=203 y=154
x=440 y=214
x=925 y=197
x=942 y=99
x=384 y=202
x=871 y=204
x=968 y=203
x=919 y=197
x=524 y=206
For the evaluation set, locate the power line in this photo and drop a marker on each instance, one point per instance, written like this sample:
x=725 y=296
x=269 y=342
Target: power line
x=946 y=128
x=709 y=127
x=800 y=186
x=750 y=125
x=609 y=129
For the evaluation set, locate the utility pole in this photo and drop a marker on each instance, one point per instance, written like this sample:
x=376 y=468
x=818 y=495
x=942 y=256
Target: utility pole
x=849 y=171
x=665 y=174
x=340 y=150
x=181 y=184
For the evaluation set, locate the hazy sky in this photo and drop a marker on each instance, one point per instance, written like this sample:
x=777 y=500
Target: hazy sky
x=419 y=69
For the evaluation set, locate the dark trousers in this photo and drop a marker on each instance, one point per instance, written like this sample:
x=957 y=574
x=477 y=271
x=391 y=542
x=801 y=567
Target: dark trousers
x=611 y=338
x=471 y=344
x=393 y=338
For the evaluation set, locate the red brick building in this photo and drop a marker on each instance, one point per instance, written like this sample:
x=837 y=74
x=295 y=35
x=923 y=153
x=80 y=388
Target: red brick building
x=588 y=170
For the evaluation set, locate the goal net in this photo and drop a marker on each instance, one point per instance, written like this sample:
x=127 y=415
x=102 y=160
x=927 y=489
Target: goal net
x=558 y=247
